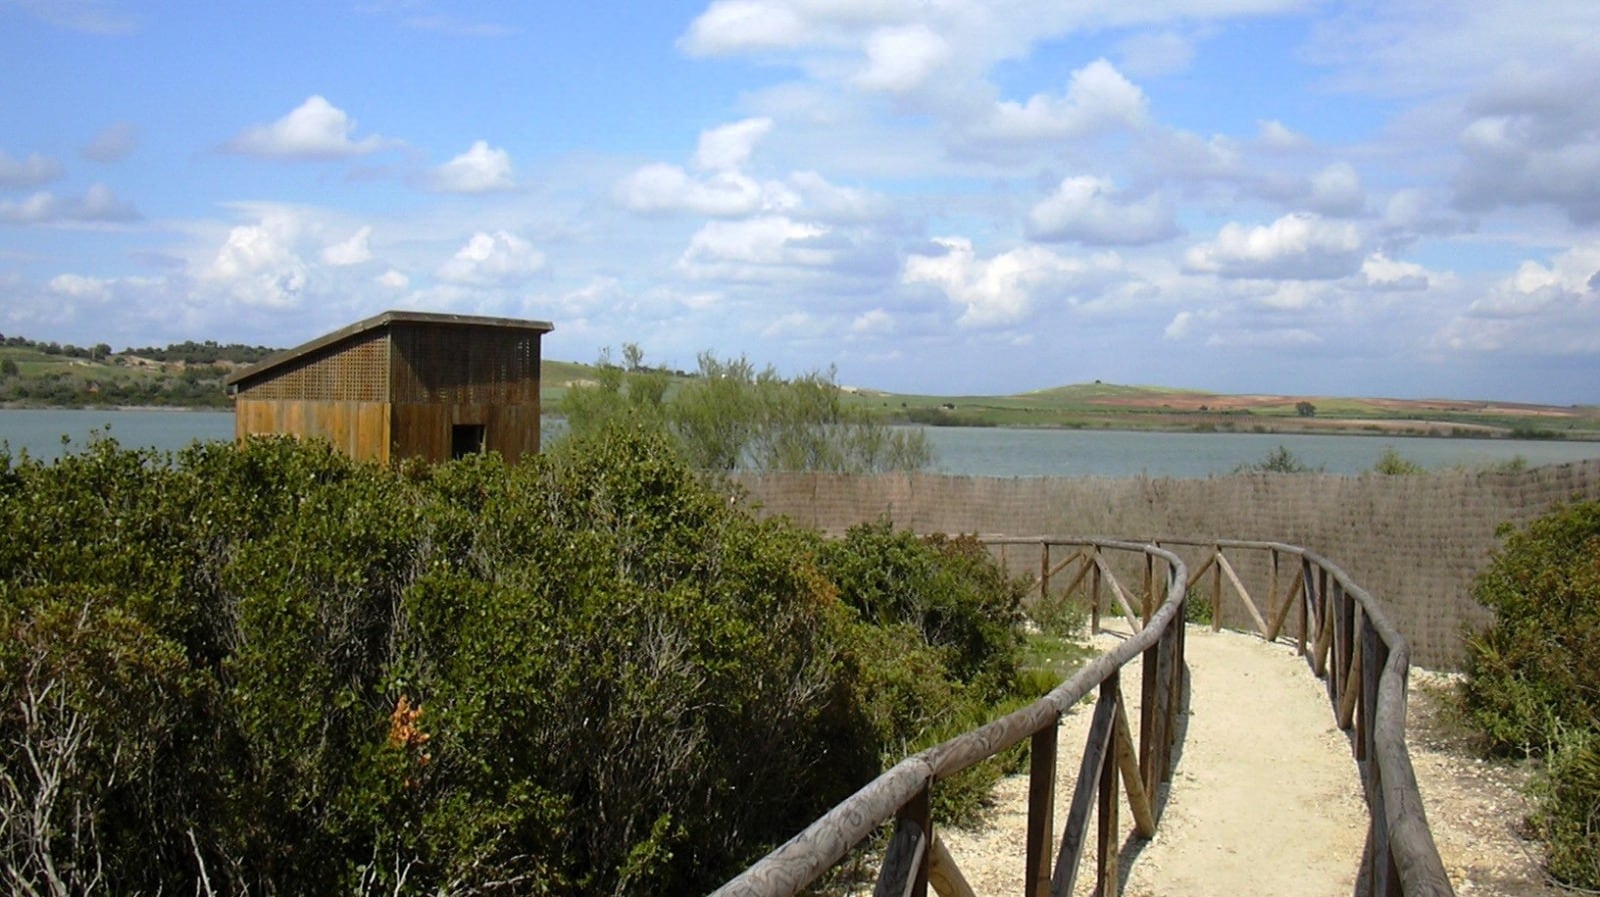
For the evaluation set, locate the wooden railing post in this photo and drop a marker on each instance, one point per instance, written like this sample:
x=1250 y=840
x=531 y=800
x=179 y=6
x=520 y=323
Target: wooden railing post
x=1216 y=588
x=1041 y=810
x=905 y=863
x=1044 y=572
x=1094 y=592
x=1106 y=879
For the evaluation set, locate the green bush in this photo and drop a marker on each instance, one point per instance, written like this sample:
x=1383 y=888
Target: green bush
x=1392 y=463
x=277 y=670
x=1567 y=817
x=1279 y=460
x=1533 y=669
x=1531 y=676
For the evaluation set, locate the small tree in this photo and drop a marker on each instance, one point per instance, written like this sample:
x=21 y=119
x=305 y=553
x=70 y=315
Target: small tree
x=1279 y=460
x=730 y=416
x=1392 y=463
x=1305 y=409
x=8 y=367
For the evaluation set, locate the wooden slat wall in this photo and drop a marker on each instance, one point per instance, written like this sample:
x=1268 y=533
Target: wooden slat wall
x=433 y=378
x=360 y=429
x=423 y=429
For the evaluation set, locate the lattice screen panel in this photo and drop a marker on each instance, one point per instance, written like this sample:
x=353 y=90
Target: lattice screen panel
x=466 y=366
x=356 y=372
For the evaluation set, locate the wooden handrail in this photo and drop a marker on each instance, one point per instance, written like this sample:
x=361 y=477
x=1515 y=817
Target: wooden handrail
x=1365 y=660
x=899 y=793
x=1339 y=628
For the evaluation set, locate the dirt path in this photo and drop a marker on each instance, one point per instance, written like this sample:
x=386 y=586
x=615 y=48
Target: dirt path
x=1266 y=797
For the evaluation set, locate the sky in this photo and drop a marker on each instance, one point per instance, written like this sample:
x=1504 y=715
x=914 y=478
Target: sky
x=1390 y=198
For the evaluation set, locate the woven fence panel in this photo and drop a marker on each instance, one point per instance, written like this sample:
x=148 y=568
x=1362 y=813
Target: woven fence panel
x=1415 y=542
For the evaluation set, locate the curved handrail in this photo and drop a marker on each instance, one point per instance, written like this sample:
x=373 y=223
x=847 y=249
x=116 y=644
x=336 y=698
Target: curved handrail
x=1354 y=640
x=1399 y=831
x=807 y=855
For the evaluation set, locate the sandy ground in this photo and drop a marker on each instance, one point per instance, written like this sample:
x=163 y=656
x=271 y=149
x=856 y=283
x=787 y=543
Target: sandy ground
x=1266 y=798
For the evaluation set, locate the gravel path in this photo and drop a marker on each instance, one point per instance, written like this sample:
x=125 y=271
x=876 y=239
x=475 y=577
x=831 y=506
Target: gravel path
x=1265 y=797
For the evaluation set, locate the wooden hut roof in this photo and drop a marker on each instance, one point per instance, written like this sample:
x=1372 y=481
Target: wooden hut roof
x=271 y=362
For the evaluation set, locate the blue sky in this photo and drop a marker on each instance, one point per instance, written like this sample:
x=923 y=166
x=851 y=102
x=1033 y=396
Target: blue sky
x=1396 y=198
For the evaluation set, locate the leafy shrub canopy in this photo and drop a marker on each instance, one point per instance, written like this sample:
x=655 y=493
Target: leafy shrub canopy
x=1533 y=676
x=292 y=673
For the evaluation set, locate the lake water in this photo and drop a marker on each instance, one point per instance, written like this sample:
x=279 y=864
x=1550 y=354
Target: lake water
x=969 y=451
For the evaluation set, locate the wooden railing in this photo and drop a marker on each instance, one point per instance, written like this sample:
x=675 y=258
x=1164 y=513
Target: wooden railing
x=1346 y=639
x=916 y=856
x=1337 y=626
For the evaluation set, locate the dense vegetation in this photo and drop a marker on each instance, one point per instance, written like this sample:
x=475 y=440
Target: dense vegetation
x=183 y=375
x=731 y=416
x=1533 y=676
x=268 y=669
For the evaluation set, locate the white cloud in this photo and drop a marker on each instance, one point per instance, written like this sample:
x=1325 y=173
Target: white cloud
x=1543 y=308
x=29 y=172
x=795 y=324
x=98 y=204
x=661 y=188
x=77 y=286
x=733 y=26
x=1381 y=273
x=481 y=169
x=875 y=322
x=724 y=190
x=729 y=147
x=1274 y=135
x=353 y=251
x=1337 y=190
x=1297 y=246
x=1098 y=99
x=316 y=129
x=735 y=249
x=831 y=202
x=901 y=59
x=499 y=258
x=113 y=143
x=1089 y=210
x=1180 y=326
x=393 y=279
x=258 y=265
x=1536 y=287
x=1000 y=290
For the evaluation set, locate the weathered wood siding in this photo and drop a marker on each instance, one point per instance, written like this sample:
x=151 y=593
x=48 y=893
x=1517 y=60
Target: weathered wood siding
x=360 y=429
x=398 y=391
x=424 y=429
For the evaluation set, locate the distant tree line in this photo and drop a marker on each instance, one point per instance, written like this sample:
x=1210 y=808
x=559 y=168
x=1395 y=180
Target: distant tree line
x=208 y=352
x=188 y=352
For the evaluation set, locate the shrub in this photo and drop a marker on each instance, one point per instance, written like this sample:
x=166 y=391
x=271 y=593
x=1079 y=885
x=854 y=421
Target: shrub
x=1533 y=668
x=1279 y=460
x=1392 y=463
x=1531 y=674
x=284 y=671
x=1567 y=817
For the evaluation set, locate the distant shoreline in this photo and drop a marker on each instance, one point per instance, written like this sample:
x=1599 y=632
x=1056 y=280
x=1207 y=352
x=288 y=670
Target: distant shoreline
x=1220 y=424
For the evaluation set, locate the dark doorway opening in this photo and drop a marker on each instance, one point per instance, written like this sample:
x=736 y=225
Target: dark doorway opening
x=466 y=439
